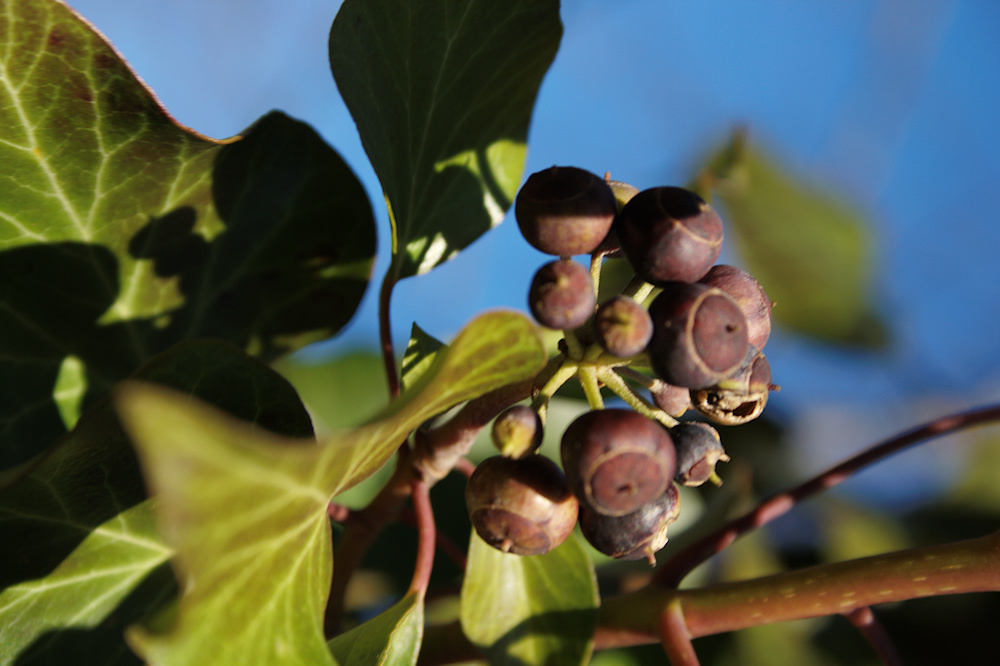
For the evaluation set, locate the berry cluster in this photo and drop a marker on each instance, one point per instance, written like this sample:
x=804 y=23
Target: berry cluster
x=686 y=330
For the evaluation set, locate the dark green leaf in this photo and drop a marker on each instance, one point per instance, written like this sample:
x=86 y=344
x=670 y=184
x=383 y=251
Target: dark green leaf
x=537 y=609
x=122 y=233
x=442 y=94
x=74 y=529
x=809 y=250
x=392 y=638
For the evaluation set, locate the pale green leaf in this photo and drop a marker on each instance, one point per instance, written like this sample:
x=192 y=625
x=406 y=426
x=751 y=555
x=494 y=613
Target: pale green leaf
x=527 y=610
x=390 y=639
x=246 y=509
x=442 y=94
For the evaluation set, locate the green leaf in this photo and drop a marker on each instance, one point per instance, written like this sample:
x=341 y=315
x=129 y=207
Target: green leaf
x=419 y=356
x=391 y=638
x=246 y=509
x=75 y=530
x=123 y=233
x=86 y=586
x=442 y=94
x=538 y=609
x=809 y=250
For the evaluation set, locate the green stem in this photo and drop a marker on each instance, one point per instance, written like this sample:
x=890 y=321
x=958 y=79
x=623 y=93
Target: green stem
x=588 y=380
x=565 y=372
x=617 y=384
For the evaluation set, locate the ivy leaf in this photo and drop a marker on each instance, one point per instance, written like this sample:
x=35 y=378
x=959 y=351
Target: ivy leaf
x=86 y=587
x=123 y=233
x=245 y=509
x=76 y=529
x=538 y=609
x=442 y=94
x=809 y=250
x=419 y=356
x=391 y=638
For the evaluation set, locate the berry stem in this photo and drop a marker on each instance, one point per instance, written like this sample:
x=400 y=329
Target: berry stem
x=566 y=371
x=588 y=380
x=638 y=289
x=617 y=384
x=679 y=566
x=596 y=262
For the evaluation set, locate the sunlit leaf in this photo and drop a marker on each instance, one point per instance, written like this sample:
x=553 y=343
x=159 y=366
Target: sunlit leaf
x=86 y=586
x=810 y=250
x=442 y=94
x=246 y=509
x=538 y=609
x=123 y=233
x=419 y=356
x=392 y=638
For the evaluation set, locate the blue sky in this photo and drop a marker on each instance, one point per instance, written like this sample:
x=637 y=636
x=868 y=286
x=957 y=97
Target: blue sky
x=894 y=104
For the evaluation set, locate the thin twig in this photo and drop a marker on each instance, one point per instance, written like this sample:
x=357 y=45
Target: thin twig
x=426 y=537
x=675 y=637
x=680 y=565
x=385 y=335
x=865 y=621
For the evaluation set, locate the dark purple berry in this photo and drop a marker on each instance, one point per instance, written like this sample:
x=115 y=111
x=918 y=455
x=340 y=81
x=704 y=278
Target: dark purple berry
x=622 y=327
x=517 y=431
x=565 y=210
x=749 y=295
x=669 y=234
x=699 y=449
x=521 y=506
x=674 y=400
x=562 y=295
x=699 y=335
x=742 y=396
x=616 y=460
x=634 y=536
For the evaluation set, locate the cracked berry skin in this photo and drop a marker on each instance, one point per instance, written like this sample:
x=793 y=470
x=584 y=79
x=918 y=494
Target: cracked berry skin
x=669 y=234
x=634 y=536
x=742 y=396
x=565 y=211
x=616 y=460
x=561 y=295
x=521 y=506
x=699 y=335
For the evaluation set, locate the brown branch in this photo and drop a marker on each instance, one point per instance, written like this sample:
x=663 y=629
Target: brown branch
x=681 y=564
x=829 y=589
x=385 y=335
x=954 y=568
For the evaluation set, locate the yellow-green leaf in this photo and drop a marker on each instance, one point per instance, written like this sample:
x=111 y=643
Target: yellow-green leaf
x=245 y=509
x=537 y=609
